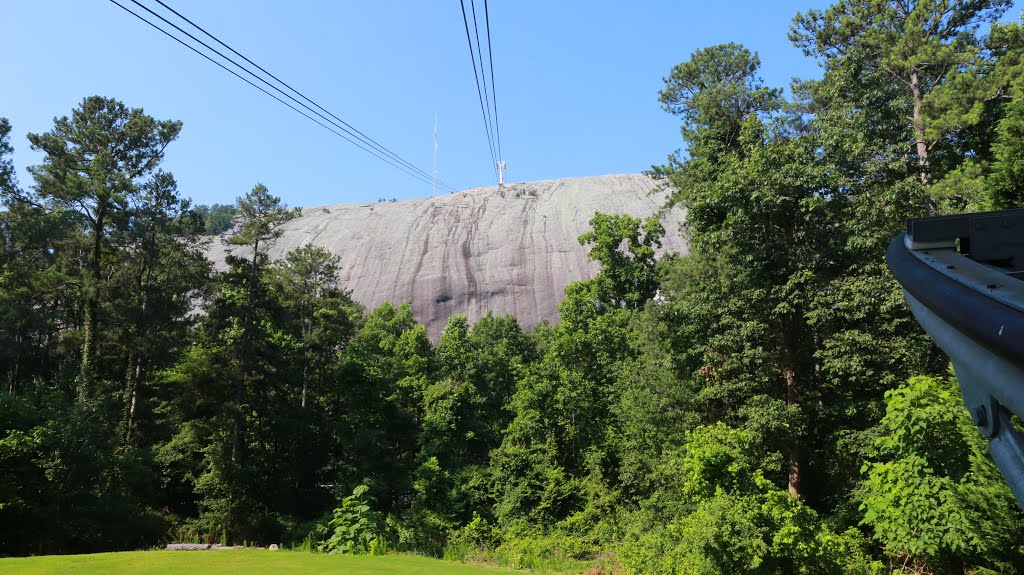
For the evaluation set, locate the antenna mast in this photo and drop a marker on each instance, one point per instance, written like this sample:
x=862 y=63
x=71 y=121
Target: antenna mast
x=501 y=172
x=434 y=188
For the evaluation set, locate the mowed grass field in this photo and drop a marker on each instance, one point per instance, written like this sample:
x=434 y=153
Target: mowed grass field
x=254 y=561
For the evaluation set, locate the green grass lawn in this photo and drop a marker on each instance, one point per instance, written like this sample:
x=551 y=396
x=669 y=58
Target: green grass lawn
x=236 y=561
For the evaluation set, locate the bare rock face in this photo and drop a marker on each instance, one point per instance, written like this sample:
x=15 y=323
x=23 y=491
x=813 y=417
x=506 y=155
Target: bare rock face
x=507 y=250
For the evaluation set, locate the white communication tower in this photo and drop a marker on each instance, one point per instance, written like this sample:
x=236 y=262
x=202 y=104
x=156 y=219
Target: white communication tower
x=434 y=181
x=501 y=172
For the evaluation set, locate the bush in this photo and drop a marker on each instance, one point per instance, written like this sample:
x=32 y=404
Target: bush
x=719 y=515
x=765 y=534
x=472 y=541
x=932 y=495
x=355 y=528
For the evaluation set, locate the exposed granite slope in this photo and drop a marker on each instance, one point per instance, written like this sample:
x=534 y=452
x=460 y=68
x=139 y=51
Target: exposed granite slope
x=508 y=250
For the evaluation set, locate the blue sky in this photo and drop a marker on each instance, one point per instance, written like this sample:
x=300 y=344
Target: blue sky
x=576 y=82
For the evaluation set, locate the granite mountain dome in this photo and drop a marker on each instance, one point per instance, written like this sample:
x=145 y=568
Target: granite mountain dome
x=507 y=250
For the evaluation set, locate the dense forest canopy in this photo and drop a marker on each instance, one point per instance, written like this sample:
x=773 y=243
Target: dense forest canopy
x=763 y=404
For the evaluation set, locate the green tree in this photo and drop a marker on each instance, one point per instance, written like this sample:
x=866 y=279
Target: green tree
x=7 y=179
x=217 y=218
x=655 y=407
x=321 y=319
x=782 y=287
x=64 y=486
x=386 y=371
x=260 y=216
x=715 y=91
x=558 y=449
x=95 y=166
x=627 y=277
x=229 y=460
x=29 y=274
x=230 y=403
x=915 y=46
x=83 y=489
x=1005 y=86
x=764 y=205
x=325 y=315
x=1005 y=180
x=158 y=268
x=465 y=413
x=983 y=108
x=1008 y=173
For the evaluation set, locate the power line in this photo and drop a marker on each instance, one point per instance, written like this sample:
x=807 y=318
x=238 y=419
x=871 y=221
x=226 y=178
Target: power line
x=361 y=135
x=483 y=74
x=411 y=171
x=415 y=172
x=246 y=80
x=494 y=89
x=479 y=92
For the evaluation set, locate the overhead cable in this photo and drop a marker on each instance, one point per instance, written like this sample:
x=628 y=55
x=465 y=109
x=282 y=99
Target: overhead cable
x=348 y=134
x=494 y=89
x=363 y=137
x=483 y=74
x=479 y=92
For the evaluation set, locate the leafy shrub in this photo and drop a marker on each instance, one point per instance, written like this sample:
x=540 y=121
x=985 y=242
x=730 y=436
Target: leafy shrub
x=932 y=495
x=721 y=516
x=766 y=533
x=471 y=541
x=355 y=528
x=523 y=545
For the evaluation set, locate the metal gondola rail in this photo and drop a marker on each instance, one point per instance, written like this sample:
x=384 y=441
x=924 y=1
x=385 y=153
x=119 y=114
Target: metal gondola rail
x=963 y=279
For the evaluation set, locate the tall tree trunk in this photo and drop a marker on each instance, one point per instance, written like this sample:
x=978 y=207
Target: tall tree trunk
x=305 y=385
x=794 y=448
x=134 y=380
x=13 y=384
x=790 y=366
x=236 y=430
x=88 y=338
x=91 y=320
x=134 y=375
x=919 y=138
x=236 y=427
x=307 y=330
x=44 y=361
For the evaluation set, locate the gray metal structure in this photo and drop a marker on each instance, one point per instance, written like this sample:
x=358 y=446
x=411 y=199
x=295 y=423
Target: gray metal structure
x=963 y=279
